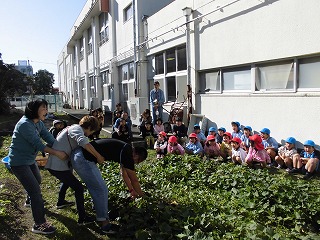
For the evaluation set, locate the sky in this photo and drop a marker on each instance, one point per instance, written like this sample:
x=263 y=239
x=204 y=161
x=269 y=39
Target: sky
x=36 y=30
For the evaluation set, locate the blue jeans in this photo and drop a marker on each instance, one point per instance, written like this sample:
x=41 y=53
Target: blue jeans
x=90 y=174
x=30 y=178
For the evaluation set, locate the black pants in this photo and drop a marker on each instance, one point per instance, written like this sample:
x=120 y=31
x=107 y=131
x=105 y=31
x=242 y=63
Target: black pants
x=70 y=180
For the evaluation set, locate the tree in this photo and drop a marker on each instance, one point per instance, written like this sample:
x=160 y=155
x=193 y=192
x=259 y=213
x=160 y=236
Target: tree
x=43 y=82
x=12 y=83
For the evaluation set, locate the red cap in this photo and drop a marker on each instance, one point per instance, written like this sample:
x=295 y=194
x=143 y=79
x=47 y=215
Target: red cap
x=236 y=139
x=228 y=134
x=163 y=133
x=211 y=137
x=193 y=135
x=257 y=141
x=173 y=139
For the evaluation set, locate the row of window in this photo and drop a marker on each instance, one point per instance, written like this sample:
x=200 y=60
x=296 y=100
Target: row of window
x=286 y=76
x=172 y=60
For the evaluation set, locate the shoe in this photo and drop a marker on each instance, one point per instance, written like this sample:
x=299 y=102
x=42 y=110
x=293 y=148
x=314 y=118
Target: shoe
x=64 y=204
x=308 y=176
x=44 y=228
x=86 y=220
x=279 y=166
x=294 y=170
x=110 y=228
x=27 y=202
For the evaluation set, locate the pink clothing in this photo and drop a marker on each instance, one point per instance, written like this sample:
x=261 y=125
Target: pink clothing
x=212 y=150
x=158 y=128
x=173 y=149
x=258 y=155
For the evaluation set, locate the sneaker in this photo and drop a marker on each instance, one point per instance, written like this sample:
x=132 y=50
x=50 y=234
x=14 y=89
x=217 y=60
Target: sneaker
x=44 y=228
x=86 y=220
x=110 y=228
x=279 y=166
x=27 y=202
x=64 y=204
x=308 y=176
x=294 y=170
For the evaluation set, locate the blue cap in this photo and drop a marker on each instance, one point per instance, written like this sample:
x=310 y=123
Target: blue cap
x=236 y=123
x=212 y=129
x=265 y=130
x=196 y=126
x=309 y=143
x=248 y=127
x=222 y=129
x=291 y=140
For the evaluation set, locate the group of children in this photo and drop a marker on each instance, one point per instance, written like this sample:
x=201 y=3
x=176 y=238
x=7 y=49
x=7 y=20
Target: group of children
x=240 y=146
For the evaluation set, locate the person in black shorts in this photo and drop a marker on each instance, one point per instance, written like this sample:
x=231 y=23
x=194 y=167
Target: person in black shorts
x=84 y=163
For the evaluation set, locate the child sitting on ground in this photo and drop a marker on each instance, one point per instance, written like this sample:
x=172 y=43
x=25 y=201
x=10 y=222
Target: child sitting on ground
x=200 y=135
x=180 y=131
x=211 y=148
x=161 y=145
x=148 y=134
x=238 y=153
x=174 y=147
x=159 y=126
x=285 y=154
x=194 y=147
x=236 y=130
x=122 y=132
x=307 y=162
x=219 y=137
x=225 y=147
x=257 y=153
x=212 y=131
x=270 y=144
x=245 y=142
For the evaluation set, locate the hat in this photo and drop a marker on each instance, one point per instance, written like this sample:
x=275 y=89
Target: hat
x=228 y=134
x=156 y=82
x=222 y=129
x=163 y=133
x=248 y=127
x=257 y=141
x=265 y=130
x=173 y=139
x=291 y=140
x=178 y=119
x=212 y=129
x=211 y=137
x=56 y=122
x=193 y=135
x=236 y=123
x=196 y=126
x=236 y=139
x=309 y=143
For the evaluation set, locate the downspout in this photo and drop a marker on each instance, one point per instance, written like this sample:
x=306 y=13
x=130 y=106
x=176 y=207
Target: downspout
x=135 y=62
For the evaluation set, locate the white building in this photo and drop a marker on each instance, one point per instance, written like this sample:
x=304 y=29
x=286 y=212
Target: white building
x=252 y=61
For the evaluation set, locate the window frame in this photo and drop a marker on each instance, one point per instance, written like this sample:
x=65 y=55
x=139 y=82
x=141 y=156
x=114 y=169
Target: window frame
x=127 y=12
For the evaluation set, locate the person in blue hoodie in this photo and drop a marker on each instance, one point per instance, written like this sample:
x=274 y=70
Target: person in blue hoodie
x=26 y=143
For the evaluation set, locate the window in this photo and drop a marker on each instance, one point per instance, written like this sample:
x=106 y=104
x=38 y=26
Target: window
x=131 y=70
x=81 y=49
x=83 y=89
x=210 y=81
x=127 y=13
x=159 y=64
x=106 y=87
x=236 y=79
x=182 y=58
x=125 y=92
x=275 y=77
x=171 y=88
x=171 y=60
x=92 y=86
x=124 y=72
x=309 y=73
x=104 y=28
x=90 y=48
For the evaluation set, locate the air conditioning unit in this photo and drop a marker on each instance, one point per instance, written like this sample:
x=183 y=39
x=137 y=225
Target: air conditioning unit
x=137 y=106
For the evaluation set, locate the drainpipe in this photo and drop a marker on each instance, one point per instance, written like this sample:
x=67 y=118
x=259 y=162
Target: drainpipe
x=187 y=12
x=136 y=87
